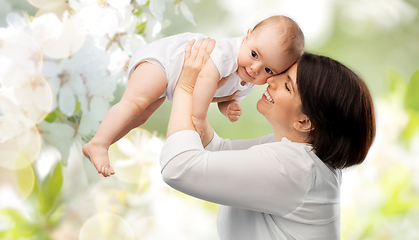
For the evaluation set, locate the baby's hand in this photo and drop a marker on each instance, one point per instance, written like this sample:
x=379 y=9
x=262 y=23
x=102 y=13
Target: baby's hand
x=234 y=111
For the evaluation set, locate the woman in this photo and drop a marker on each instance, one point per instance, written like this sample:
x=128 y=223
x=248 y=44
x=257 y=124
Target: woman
x=285 y=185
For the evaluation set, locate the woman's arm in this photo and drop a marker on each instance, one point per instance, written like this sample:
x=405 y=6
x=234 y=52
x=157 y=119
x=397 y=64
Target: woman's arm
x=256 y=179
x=219 y=144
x=195 y=60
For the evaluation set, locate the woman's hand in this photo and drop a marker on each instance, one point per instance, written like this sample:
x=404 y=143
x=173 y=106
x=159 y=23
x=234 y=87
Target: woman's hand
x=195 y=59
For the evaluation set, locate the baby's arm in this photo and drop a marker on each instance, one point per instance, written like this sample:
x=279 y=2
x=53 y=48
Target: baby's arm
x=204 y=91
x=231 y=109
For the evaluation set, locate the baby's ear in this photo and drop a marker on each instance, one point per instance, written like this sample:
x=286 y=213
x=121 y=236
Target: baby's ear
x=249 y=31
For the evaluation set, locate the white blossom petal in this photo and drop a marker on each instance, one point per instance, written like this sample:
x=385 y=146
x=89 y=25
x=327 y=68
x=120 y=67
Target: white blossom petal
x=99 y=107
x=187 y=13
x=50 y=69
x=157 y=7
x=60 y=8
x=98 y=20
x=21 y=49
x=17 y=22
x=8 y=101
x=141 y=2
x=133 y=154
x=41 y=3
x=59 y=135
x=119 y=3
x=135 y=42
x=55 y=85
x=89 y=124
x=77 y=84
x=118 y=60
x=58 y=39
x=126 y=19
x=19 y=140
x=127 y=147
x=88 y=1
x=35 y=99
x=67 y=100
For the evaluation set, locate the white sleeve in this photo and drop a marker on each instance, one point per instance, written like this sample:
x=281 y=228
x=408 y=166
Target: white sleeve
x=219 y=144
x=224 y=57
x=254 y=179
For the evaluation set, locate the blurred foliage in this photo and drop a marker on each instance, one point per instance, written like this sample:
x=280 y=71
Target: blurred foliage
x=46 y=203
x=412 y=106
x=393 y=213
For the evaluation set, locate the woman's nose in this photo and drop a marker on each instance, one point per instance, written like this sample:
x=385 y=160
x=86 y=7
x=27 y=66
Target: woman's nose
x=271 y=81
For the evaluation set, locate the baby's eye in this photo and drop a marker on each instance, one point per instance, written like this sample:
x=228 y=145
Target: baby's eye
x=254 y=54
x=286 y=86
x=269 y=71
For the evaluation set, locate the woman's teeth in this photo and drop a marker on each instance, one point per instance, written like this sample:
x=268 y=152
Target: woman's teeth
x=268 y=97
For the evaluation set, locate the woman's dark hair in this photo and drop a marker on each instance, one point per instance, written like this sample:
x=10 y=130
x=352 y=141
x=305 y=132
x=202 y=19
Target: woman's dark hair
x=340 y=109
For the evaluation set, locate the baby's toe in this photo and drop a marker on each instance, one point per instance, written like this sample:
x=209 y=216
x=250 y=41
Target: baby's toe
x=103 y=171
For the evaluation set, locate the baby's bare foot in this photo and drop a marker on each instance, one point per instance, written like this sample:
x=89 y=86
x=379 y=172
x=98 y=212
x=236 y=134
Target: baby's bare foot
x=99 y=157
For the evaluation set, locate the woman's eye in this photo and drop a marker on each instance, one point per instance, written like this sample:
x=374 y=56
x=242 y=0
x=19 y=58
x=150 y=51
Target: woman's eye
x=286 y=86
x=269 y=71
x=254 y=54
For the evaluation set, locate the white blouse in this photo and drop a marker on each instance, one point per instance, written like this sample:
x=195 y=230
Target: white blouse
x=267 y=189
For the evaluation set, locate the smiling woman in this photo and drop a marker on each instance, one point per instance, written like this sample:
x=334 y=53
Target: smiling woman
x=283 y=185
x=281 y=105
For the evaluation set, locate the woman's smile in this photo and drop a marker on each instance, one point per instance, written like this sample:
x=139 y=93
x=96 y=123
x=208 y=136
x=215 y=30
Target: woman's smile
x=267 y=97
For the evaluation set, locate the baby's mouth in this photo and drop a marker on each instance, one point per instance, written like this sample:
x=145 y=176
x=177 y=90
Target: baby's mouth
x=245 y=71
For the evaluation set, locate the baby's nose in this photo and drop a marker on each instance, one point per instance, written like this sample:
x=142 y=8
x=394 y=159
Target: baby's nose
x=256 y=68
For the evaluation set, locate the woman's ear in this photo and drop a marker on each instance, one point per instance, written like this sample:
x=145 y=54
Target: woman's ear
x=303 y=124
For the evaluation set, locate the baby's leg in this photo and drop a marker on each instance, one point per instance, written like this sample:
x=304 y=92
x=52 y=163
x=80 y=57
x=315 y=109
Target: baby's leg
x=140 y=120
x=145 y=86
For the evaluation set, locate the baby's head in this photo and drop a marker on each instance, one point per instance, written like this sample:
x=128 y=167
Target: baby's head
x=269 y=49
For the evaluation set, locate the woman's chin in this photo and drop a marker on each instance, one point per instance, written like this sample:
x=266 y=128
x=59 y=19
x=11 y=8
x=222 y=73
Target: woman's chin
x=259 y=106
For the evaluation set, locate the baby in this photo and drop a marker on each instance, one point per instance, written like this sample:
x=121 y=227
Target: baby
x=269 y=49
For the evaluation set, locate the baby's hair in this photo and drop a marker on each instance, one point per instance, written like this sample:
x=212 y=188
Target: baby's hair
x=288 y=31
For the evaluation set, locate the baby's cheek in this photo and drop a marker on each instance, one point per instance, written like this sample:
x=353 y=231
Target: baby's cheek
x=262 y=81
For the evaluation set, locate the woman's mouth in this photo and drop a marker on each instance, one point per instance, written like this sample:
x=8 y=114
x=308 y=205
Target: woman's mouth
x=268 y=96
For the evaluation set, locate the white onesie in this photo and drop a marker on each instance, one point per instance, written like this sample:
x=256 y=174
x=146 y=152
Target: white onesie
x=169 y=53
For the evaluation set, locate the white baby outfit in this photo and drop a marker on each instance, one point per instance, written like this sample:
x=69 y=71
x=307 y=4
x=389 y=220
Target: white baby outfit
x=169 y=53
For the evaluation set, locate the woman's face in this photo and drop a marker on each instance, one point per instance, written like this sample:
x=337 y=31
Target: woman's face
x=281 y=102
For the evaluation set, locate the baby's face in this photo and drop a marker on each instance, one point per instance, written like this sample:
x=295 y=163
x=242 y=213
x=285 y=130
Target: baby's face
x=261 y=56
